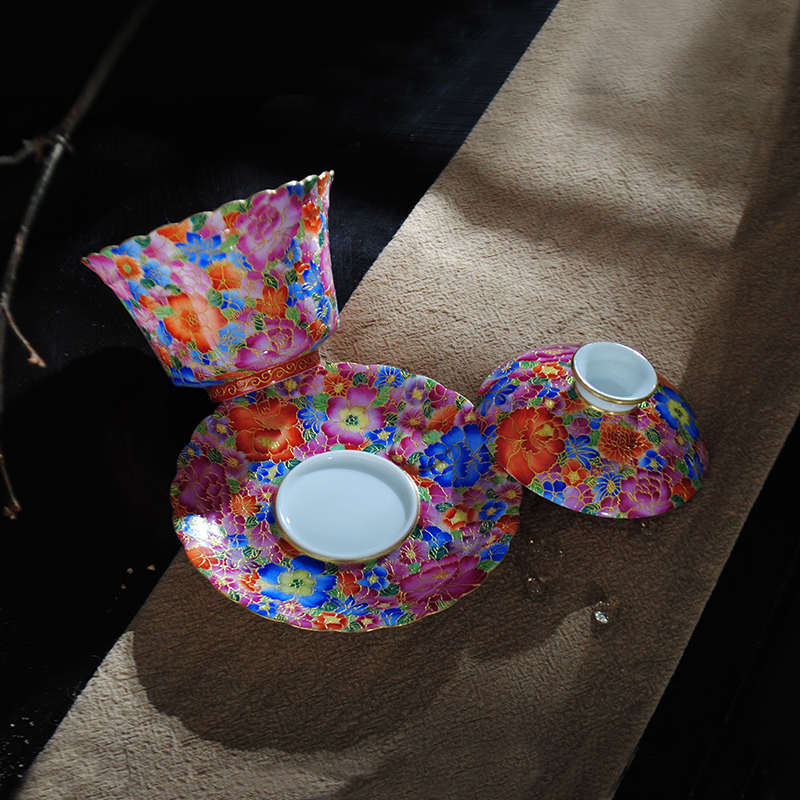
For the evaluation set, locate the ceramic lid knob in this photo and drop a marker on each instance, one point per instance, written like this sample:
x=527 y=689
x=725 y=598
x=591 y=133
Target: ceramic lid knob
x=612 y=377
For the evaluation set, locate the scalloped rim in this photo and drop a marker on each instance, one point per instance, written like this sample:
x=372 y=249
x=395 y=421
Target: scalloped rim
x=313 y=178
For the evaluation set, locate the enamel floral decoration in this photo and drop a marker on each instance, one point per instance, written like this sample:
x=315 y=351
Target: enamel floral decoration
x=643 y=462
x=228 y=294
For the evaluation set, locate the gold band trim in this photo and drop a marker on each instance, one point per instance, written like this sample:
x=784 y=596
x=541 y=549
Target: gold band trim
x=602 y=396
x=262 y=379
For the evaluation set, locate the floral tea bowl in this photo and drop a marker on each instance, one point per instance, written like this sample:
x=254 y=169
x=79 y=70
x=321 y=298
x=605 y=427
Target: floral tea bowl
x=234 y=299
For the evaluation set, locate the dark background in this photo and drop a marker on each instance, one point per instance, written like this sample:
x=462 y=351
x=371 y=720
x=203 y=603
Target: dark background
x=214 y=103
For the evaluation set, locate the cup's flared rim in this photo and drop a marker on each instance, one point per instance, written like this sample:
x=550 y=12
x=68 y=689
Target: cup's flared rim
x=306 y=183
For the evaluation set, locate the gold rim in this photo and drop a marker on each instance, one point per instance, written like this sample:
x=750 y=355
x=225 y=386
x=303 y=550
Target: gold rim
x=606 y=397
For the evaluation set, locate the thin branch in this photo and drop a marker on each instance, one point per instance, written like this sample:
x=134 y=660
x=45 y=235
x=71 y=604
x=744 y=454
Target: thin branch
x=58 y=141
x=15 y=259
x=13 y=508
x=28 y=148
x=33 y=357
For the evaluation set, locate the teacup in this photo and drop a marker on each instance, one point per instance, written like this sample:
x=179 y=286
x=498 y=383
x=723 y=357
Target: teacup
x=234 y=299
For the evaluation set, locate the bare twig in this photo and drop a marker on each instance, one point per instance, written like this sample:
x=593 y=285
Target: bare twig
x=15 y=259
x=28 y=147
x=58 y=141
x=33 y=357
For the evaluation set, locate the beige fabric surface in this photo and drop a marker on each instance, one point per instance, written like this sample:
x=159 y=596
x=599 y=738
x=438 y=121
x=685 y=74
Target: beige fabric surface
x=636 y=180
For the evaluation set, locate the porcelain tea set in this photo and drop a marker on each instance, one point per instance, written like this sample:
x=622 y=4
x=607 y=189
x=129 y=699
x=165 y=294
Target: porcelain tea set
x=353 y=497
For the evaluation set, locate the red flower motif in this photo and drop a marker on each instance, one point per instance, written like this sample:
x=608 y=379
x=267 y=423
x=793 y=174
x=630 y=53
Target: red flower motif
x=266 y=430
x=250 y=581
x=195 y=321
x=317 y=329
x=330 y=621
x=507 y=523
x=129 y=268
x=573 y=473
x=443 y=418
x=231 y=218
x=224 y=275
x=175 y=232
x=529 y=441
x=244 y=505
x=287 y=550
x=458 y=517
x=620 y=443
x=684 y=489
x=202 y=557
x=348 y=582
x=548 y=369
x=311 y=217
x=273 y=302
x=337 y=385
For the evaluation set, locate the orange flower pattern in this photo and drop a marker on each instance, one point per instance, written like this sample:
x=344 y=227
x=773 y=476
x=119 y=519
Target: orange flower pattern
x=194 y=321
x=620 y=443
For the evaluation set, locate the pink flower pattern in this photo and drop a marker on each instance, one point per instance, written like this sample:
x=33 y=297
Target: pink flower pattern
x=269 y=225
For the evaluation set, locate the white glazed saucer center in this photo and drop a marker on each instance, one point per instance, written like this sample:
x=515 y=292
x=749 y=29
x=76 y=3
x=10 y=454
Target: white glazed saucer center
x=613 y=377
x=346 y=505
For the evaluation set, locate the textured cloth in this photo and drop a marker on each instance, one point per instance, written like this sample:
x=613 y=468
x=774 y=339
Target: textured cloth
x=634 y=180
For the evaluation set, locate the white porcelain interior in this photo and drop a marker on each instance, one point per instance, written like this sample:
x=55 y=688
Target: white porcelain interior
x=346 y=505
x=612 y=377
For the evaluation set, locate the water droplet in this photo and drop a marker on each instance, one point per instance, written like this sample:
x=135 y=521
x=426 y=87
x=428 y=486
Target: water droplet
x=603 y=614
x=535 y=587
x=546 y=555
x=648 y=526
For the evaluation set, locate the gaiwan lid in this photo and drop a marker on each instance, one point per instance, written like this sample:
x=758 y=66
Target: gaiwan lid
x=594 y=428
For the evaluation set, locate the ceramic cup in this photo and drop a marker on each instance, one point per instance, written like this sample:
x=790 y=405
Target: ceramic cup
x=612 y=377
x=234 y=299
x=346 y=506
